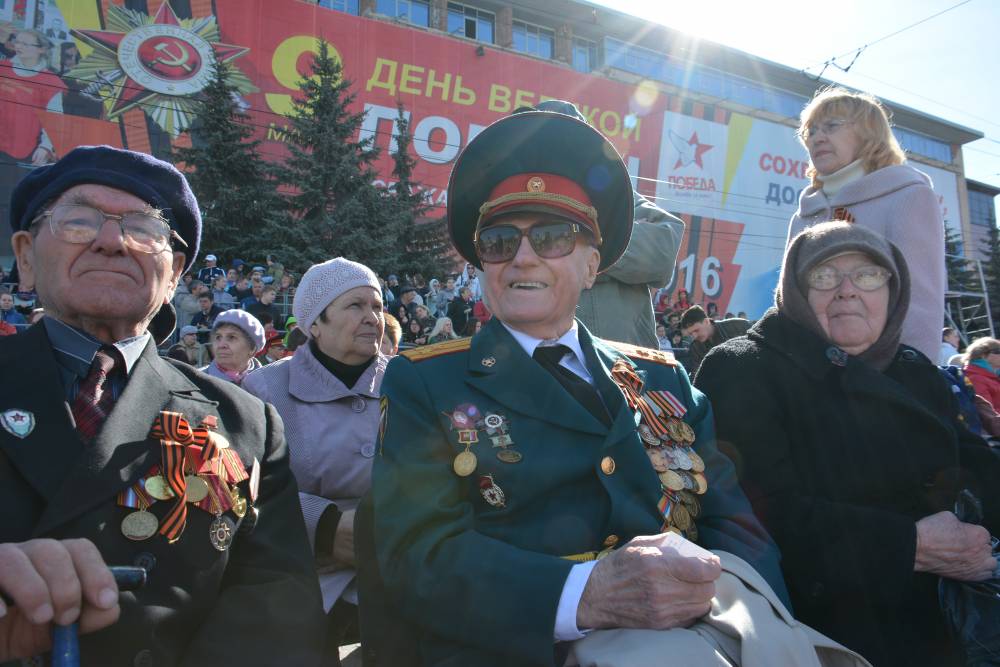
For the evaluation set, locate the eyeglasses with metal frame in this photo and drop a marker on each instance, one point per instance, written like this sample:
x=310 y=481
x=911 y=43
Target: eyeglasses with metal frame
x=143 y=231
x=866 y=278
x=550 y=240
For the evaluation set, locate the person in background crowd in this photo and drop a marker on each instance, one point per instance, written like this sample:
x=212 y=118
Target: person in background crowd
x=422 y=315
x=712 y=310
x=676 y=340
x=481 y=312
x=663 y=342
x=859 y=174
x=105 y=258
x=257 y=274
x=389 y=289
x=220 y=296
x=683 y=302
x=294 y=339
x=443 y=330
x=267 y=322
x=232 y=275
x=402 y=314
x=256 y=289
x=661 y=301
x=674 y=321
x=389 y=346
x=706 y=334
x=265 y=306
x=982 y=361
x=208 y=272
x=286 y=285
x=950 y=341
x=444 y=297
x=421 y=285
x=237 y=337
x=7 y=312
x=470 y=279
x=196 y=353
x=28 y=79
x=729 y=315
x=204 y=319
x=618 y=305
x=240 y=266
x=430 y=299
x=185 y=300
x=407 y=299
x=328 y=397
x=275 y=270
x=742 y=315
x=273 y=350
x=241 y=290
x=414 y=334
x=850 y=450
x=460 y=310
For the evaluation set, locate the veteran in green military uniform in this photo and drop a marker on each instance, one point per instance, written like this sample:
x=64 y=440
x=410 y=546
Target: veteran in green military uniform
x=535 y=482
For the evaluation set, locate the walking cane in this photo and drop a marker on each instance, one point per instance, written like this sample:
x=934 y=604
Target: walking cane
x=65 y=639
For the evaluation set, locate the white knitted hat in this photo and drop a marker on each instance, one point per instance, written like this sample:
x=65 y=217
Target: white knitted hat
x=323 y=283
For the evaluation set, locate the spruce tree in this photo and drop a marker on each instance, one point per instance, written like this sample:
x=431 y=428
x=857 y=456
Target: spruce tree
x=242 y=214
x=336 y=210
x=991 y=271
x=424 y=244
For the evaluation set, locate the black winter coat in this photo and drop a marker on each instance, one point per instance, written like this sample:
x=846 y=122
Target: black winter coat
x=839 y=461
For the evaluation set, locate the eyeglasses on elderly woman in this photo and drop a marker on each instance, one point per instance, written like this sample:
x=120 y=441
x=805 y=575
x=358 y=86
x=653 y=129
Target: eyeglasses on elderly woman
x=866 y=278
x=827 y=127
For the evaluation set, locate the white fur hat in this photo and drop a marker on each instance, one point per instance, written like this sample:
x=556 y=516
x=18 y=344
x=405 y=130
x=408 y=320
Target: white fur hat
x=323 y=283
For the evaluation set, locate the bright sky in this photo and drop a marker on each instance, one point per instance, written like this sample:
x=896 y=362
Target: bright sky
x=948 y=66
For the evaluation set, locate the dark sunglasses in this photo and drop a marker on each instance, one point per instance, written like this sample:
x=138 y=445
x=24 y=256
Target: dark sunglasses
x=549 y=240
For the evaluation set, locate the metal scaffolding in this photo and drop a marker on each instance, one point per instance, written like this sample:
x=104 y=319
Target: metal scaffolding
x=967 y=305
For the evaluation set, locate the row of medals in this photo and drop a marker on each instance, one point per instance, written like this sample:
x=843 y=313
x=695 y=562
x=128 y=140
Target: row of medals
x=465 y=462
x=681 y=472
x=143 y=524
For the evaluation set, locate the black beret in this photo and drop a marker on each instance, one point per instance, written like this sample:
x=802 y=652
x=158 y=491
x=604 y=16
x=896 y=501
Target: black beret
x=152 y=180
x=541 y=142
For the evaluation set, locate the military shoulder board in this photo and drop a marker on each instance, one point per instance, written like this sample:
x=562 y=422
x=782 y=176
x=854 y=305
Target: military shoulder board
x=649 y=354
x=437 y=349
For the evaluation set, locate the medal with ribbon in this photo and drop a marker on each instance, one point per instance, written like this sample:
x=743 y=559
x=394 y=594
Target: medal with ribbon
x=667 y=439
x=176 y=436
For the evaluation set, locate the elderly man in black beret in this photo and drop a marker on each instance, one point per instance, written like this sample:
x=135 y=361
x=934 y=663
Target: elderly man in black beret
x=110 y=455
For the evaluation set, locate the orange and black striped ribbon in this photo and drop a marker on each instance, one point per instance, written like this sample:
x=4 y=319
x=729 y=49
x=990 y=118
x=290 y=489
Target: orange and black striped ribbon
x=176 y=435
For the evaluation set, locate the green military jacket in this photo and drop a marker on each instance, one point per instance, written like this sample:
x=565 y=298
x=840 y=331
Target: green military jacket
x=482 y=578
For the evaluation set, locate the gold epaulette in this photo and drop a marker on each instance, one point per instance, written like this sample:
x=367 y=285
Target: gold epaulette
x=437 y=349
x=647 y=353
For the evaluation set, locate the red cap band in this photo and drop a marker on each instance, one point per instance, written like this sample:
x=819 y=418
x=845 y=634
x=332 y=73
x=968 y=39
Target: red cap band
x=534 y=192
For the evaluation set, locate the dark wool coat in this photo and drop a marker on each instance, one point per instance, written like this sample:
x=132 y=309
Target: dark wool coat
x=255 y=604
x=839 y=462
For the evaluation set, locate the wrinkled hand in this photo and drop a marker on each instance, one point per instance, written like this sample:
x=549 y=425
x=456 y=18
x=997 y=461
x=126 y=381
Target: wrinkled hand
x=52 y=581
x=343 y=542
x=952 y=549
x=653 y=582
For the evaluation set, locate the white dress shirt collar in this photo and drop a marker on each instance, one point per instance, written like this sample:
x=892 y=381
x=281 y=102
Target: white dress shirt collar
x=575 y=362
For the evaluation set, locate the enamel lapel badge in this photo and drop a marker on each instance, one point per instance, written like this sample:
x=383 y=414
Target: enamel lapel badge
x=19 y=423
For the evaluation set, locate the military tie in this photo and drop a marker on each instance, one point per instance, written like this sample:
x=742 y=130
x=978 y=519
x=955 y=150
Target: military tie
x=548 y=357
x=95 y=399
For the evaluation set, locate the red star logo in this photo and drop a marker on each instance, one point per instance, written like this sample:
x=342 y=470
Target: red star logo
x=171 y=57
x=699 y=149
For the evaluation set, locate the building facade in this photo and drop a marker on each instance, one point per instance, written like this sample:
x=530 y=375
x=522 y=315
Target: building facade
x=707 y=132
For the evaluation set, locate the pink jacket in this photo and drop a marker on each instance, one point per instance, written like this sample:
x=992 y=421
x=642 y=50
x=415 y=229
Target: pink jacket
x=898 y=203
x=331 y=432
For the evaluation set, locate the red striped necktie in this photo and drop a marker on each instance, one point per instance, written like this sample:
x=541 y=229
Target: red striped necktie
x=95 y=399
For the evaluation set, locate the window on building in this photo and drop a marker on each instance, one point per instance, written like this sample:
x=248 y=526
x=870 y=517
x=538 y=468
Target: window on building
x=533 y=39
x=470 y=22
x=584 y=55
x=416 y=12
x=982 y=211
x=348 y=6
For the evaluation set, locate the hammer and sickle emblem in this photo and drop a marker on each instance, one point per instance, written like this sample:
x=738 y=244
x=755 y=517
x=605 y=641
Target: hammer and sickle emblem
x=173 y=58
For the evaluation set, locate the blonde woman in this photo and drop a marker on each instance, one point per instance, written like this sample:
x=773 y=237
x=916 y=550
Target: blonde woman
x=442 y=331
x=859 y=175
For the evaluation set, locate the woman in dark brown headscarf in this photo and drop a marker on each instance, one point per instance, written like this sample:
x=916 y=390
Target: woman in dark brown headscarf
x=847 y=450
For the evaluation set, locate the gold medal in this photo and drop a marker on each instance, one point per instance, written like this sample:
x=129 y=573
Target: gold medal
x=680 y=517
x=686 y=432
x=221 y=531
x=647 y=436
x=690 y=502
x=157 y=487
x=140 y=525
x=697 y=463
x=701 y=482
x=465 y=463
x=509 y=455
x=197 y=489
x=671 y=480
x=689 y=484
x=239 y=504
